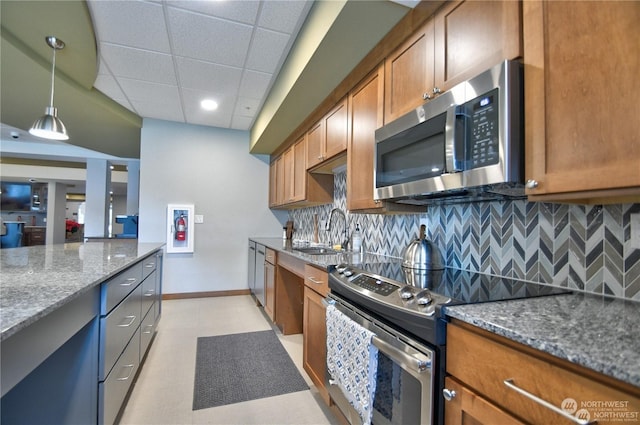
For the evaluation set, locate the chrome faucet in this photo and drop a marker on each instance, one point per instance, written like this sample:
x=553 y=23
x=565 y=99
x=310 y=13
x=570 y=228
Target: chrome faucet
x=346 y=228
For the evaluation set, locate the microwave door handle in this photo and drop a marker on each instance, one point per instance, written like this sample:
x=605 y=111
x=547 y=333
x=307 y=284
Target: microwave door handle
x=454 y=134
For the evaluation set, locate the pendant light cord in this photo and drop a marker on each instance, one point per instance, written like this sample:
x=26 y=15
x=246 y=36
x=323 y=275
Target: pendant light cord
x=53 y=71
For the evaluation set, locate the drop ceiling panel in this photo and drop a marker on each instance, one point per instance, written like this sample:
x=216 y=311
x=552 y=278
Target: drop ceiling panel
x=241 y=11
x=207 y=76
x=209 y=38
x=139 y=64
x=283 y=16
x=247 y=107
x=267 y=50
x=113 y=26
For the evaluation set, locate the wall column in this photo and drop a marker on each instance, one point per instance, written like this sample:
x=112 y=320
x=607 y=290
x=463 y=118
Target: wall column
x=96 y=222
x=133 y=187
x=56 y=213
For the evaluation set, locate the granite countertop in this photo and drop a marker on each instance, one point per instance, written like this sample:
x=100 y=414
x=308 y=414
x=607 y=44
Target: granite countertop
x=325 y=260
x=599 y=333
x=36 y=280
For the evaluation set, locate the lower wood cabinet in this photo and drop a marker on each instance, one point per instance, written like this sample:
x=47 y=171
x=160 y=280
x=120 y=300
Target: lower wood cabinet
x=496 y=380
x=314 y=328
x=34 y=235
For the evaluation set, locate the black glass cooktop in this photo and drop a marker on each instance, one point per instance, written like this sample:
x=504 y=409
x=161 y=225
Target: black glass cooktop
x=463 y=287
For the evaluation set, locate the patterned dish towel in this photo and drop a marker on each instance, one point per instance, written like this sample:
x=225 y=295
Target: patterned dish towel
x=352 y=361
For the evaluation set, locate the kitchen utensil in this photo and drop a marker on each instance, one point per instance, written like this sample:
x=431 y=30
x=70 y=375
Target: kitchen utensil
x=422 y=254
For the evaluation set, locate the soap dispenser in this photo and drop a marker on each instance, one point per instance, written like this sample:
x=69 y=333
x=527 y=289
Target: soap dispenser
x=356 y=239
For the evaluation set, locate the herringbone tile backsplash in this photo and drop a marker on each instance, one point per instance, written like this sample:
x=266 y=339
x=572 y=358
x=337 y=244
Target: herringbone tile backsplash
x=585 y=248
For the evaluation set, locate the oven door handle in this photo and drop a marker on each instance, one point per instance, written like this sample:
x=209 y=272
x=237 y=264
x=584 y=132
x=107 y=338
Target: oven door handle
x=404 y=359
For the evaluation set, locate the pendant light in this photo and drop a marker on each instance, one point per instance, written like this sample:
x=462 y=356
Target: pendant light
x=49 y=126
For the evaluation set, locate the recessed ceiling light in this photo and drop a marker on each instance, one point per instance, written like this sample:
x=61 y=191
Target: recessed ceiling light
x=209 y=105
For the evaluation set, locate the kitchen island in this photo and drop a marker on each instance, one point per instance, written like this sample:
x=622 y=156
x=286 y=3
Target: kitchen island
x=55 y=305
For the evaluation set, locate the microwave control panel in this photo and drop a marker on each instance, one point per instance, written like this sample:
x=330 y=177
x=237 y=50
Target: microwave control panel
x=483 y=143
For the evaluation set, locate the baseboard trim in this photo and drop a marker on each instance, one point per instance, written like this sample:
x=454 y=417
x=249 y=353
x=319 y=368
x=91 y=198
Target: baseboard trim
x=186 y=295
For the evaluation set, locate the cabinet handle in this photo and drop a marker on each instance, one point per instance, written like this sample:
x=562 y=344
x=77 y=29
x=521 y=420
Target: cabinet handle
x=314 y=280
x=509 y=383
x=150 y=265
x=150 y=293
x=449 y=394
x=531 y=184
x=131 y=320
x=426 y=96
x=149 y=331
x=130 y=366
x=128 y=282
x=436 y=90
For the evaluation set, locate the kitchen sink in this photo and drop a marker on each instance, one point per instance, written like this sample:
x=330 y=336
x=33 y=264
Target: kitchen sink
x=316 y=250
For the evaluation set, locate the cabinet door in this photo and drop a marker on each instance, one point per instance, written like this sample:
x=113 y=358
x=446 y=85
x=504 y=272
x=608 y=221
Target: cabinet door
x=336 y=130
x=315 y=144
x=299 y=170
x=581 y=106
x=314 y=332
x=409 y=74
x=273 y=184
x=288 y=177
x=269 y=289
x=467 y=408
x=365 y=112
x=471 y=36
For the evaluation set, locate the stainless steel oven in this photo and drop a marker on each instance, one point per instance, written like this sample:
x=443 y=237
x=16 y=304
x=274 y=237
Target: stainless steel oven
x=404 y=379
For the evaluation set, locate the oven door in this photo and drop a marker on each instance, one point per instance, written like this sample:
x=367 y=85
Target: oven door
x=404 y=382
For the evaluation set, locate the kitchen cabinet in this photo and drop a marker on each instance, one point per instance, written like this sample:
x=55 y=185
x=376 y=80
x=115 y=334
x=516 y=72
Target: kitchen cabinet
x=409 y=73
x=489 y=373
x=328 y=137
x=270 y=283
x=472 y=36
x=276 y=182
x=365 y=116
x=314 y=329
x=465 y=407
x=581 y=83
x=34 y=235
x=463 y=39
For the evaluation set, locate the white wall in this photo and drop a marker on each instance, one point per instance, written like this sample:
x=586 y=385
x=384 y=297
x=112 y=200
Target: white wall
x=212 y=169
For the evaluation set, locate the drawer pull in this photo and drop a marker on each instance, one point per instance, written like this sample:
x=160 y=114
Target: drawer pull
x=509 y=383
x=129 y=282
x=314 y=280
x=131 y=320
x=150 y=265
x=130 y=367
x=150 y=293
x=150 y=331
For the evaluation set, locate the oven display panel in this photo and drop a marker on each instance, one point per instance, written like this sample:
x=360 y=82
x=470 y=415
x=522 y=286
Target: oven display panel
x=374 y=285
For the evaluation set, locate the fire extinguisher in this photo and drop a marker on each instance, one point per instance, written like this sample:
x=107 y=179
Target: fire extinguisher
x=181 y=228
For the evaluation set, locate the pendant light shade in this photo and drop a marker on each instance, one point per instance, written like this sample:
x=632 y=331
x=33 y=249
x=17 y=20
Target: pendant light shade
x=49 y=126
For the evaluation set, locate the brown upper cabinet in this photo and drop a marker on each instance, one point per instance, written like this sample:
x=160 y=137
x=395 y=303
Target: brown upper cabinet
x=472 y=36
x=582 y=129
x=463 y=39
x=365 y=116
x=328 y=137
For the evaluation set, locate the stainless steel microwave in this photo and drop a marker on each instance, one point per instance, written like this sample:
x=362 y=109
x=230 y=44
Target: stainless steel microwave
x=465 y=144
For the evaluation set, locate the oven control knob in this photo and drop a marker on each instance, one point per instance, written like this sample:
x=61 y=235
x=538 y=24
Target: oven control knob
x=405 y=292
x=341 y=268
x=348 y=272
x=378 y=282
x=448 y=394
x=424 y=298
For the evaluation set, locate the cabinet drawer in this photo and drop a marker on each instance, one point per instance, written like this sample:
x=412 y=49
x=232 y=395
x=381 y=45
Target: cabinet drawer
x=118 y=287
x=149 y=265
x=270 y=256
x=147 y=329
x=484 y=363
x=148 y=292
x=114 y=389
x=117 y=328
x=316 y=279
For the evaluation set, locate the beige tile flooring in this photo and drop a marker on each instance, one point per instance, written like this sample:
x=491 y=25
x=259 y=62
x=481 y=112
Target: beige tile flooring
x=163 y=392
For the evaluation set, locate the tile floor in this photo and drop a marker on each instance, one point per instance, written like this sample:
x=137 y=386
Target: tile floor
x=163 y=392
